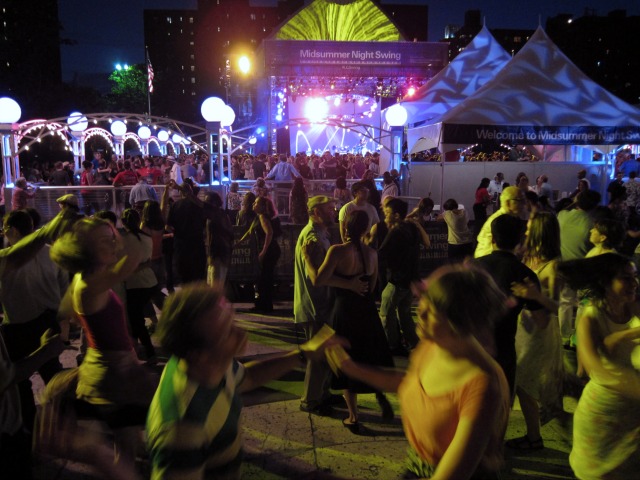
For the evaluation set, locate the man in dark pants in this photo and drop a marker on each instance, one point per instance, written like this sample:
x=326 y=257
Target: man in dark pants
x=400 y=252
x=188 y=222
x=505 y=268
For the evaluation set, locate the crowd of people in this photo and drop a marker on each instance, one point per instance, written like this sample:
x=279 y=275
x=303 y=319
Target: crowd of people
x=489 y=329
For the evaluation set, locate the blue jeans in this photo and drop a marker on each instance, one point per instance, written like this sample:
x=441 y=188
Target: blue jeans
x=395 y=313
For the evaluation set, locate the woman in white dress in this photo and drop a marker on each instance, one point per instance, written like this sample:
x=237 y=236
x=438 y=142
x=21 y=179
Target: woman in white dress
x=606 y=423
x=539 y=371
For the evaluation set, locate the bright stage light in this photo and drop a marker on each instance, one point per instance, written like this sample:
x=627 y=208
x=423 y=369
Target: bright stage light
x=411 y=91
x=336 y=102
x=316 y=109
x=360 y=102
x=244 y=64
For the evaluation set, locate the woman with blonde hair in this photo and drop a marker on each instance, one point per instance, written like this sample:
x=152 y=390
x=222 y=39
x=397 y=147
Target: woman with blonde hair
x=111 y=378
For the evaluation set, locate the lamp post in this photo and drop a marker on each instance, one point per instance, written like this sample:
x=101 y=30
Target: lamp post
x=77 y=124
x=163 y=138
x=217 y=116
x=118 y=129
x=10 y=113
x=144 y=133
x=396 y=116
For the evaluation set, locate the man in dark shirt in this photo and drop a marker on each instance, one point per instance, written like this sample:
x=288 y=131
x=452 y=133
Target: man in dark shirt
x=506 y=269
x=400 y=251
x=259 y=167
x=187 y=221
x=59 y=177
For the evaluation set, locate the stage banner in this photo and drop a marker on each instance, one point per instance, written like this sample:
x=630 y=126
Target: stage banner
x=379 y=59
x=539 y=135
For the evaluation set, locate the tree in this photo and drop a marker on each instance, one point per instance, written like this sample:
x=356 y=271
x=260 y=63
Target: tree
x=129 y=89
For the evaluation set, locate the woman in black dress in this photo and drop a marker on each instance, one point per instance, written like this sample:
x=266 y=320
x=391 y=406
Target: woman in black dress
x=355 y=316
x=266 y=228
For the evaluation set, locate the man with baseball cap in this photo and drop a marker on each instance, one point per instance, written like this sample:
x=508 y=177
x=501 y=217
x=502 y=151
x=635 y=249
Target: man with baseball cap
x=312 y=305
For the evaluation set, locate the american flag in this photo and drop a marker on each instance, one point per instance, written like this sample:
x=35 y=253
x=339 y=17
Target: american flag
x=149 y=73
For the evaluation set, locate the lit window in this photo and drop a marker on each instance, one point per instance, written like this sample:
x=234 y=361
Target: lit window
x=168 y=19
x=264 y=29
x=193 y=80
x=191 y=43
x=193 y=94
x=190 y=19
x=193 y=68
x=252 y=16
x=192 y=56
x=218 y=29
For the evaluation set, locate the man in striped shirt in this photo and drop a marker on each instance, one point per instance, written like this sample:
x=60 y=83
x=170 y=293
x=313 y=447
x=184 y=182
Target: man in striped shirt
x=193 y=426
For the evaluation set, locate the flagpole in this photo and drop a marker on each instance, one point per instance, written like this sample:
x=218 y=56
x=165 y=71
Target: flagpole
x=149 y=79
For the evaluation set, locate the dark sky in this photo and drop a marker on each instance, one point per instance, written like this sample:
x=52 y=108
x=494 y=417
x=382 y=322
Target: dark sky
x=110 y=32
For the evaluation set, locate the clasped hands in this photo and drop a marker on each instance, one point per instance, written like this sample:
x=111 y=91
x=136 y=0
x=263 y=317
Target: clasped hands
x=326 y=344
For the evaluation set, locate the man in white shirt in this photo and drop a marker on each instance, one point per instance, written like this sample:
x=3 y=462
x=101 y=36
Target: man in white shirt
x=26 y=321
x=360 y=194
x=495 y=189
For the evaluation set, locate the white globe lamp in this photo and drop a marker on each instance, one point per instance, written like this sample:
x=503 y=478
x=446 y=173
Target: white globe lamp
x=118 y=128
x=144 y=132
x=163 y=136
x=252 y=140
x=227 y=116
x=10 y=111
x=211 y=109
x=177 y=138
x=396 y=115
x=77 y=122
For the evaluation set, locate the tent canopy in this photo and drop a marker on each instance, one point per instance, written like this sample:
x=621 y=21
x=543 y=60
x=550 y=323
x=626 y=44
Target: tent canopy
x=471 y=69
x=539 y=98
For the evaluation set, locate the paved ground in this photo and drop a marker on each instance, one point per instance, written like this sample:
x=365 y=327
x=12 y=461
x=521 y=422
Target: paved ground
x=284 y=443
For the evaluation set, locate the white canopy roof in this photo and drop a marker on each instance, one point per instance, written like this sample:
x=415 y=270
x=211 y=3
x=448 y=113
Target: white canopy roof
x=539 y=97
x=471 y=69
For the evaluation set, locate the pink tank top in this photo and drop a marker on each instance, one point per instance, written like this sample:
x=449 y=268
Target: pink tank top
x=107 y=329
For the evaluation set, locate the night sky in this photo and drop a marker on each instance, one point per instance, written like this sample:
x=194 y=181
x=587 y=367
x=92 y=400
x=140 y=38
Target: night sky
x=112 y=32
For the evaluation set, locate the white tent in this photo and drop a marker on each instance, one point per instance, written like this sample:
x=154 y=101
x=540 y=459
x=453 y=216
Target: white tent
x=539 y=98
x=471 y=69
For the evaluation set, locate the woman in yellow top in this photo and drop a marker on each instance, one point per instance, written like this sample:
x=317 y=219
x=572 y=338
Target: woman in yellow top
x=454 y=397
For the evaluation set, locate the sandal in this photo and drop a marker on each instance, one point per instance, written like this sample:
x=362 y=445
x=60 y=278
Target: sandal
x=523 y=443
x=354 y=427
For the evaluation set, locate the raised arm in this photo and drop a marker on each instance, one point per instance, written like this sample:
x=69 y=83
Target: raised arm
x=21 y=252
x=265 y=223
x=383 y=380
x=424 y=237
